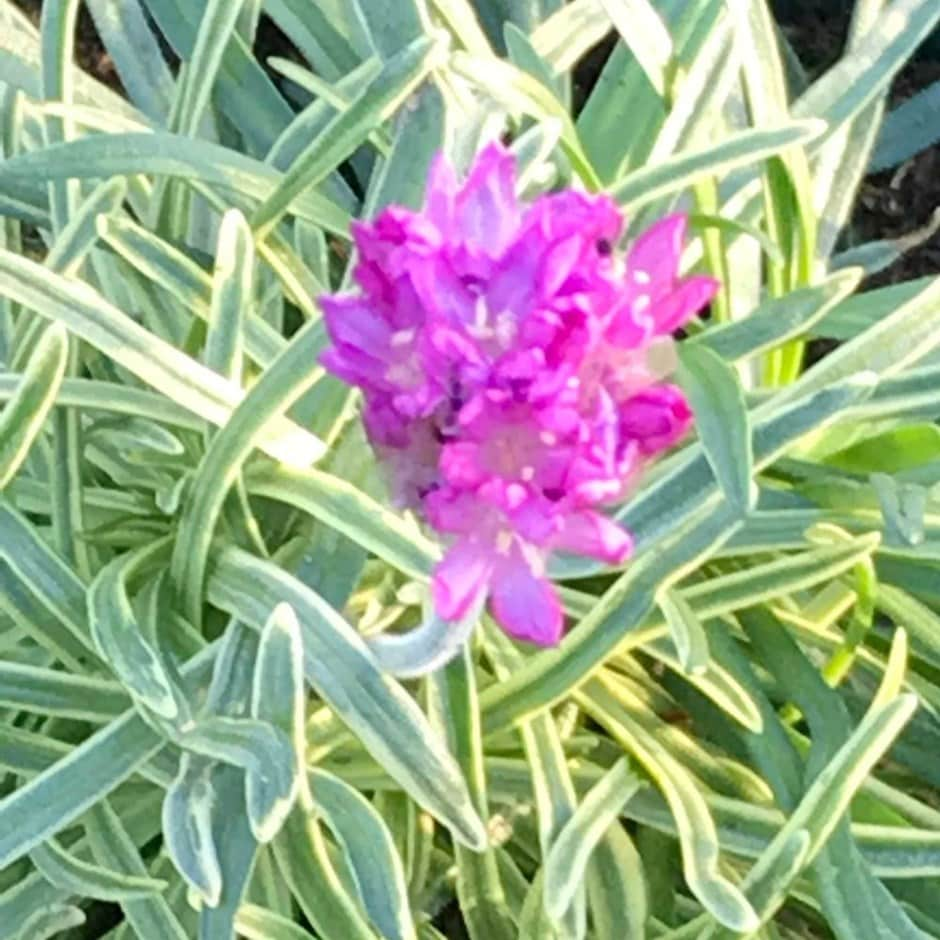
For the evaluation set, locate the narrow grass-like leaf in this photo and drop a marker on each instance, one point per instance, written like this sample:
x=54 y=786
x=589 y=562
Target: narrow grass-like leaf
x=567 y=861
x=856 y=314
x=106 y=155
x=824 y=803
x=880 y=253
x=714 y=682
x=92 y=395
x=679 y=493
x=80 y=878
x=244 y=92
x=479 y=885
x=555 y=673
x=698 y=93
x=57 y=37
x=861 y=75
x=25 y=414
x=642 y=29
x=49 y=921
x=120 y=641
x=893 y=451
x=571 y=31
x=333 y=33
x=721 y=421
x=789 y=574
x=350 y=511
x=231 y=292
x=778 y=319
x=55 y=693
x=695 y=825
x=57 y=796
x=892 y=682
x=77 y=238
x=72 y=648
x=150 y=917
x=306 y=865
x=523 y=55
x=426 y=648
x=534 y=920
x=347 y=130
x=130 y=42
x=140 y=813
x=337 y=663
x=27 y=752
x=419 y=135
x=390 y=31
x=256 y=923
x=368 y=845
x=90 y=316
x=686 y=629
x=282 y=384
x=215 y=28
x=44 y=573
x=520 y=93
x=461 y=19
x=851 y=897
x=172 y=270
x=917 y=619
x=237 y=849
x=906 y=335
x=255 y=746
x=328 y=97
x=187 y=828
x=910 y=128
x=277 y=696
x=617 y=889
x=682 y=170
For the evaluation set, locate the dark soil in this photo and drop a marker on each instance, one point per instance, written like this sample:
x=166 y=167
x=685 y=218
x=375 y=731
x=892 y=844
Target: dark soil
x=895 y=202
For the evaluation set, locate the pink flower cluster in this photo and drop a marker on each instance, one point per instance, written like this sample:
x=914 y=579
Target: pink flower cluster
x=511 y=363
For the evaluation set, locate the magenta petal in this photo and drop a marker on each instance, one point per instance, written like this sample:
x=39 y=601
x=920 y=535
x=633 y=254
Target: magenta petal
x=656 y=418
x=681 y=304
x=441 y=291
x=460 y=578
x=654 y=256
x=352 y=366
x=595 y=535
x=630 y=329
x=461 y=464
x=559 y=262
x=353 y=321
x=487 y=211
x=525 y=605
x=442 y=188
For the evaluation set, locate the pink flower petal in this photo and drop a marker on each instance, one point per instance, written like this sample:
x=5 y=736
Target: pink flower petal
x=353 y=321
x=461 y=578
x=656 y=418
x=523 y=604
x=442 y=189
x=462 y=464
x=488 y=213
x=595 y=535
x=681 y=304
x=654 y=256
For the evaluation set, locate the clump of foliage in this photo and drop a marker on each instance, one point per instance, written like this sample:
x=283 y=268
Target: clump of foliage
x=228 y=706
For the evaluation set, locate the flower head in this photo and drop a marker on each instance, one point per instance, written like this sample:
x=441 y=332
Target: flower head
x=511 y=362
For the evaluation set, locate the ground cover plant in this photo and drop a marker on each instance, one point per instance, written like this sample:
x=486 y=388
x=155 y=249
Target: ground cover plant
x=242 y=695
